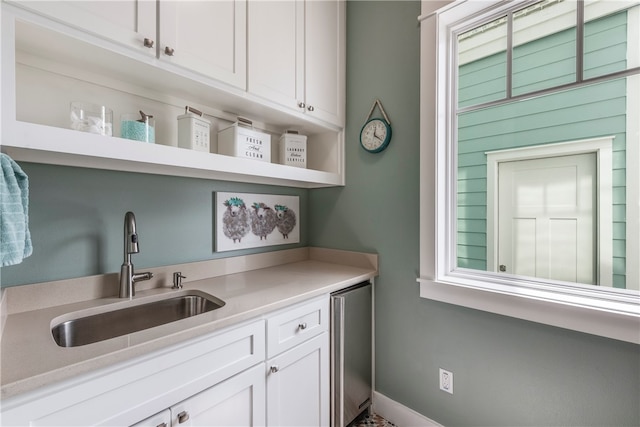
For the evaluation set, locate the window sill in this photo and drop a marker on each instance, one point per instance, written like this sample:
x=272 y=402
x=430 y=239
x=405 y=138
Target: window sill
x=613 y=319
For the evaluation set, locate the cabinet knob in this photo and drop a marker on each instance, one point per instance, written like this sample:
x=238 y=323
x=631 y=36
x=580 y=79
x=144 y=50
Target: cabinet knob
x=148 y=43
x=168 y=51
x=503 y=268
x=302 y=326
x=274 y=369
x=183 y=417
x=310 y=108
x=301 y=104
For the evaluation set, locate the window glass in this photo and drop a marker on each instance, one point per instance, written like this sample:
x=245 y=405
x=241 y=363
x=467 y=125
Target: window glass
x=611 y=37
x=482 y=62
x=513 y=145
x=582 y=113
x=569 y=233
x=544 y=46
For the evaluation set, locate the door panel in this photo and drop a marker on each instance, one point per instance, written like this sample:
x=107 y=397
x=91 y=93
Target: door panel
x=547 y=224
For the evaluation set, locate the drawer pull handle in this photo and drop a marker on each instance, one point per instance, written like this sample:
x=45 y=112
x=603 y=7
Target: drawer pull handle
x=183 y=417
x=302 y=326
x=162 y=425
x=274 y=369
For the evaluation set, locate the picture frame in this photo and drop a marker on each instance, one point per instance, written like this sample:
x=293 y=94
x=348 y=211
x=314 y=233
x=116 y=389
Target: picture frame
x=248 y=220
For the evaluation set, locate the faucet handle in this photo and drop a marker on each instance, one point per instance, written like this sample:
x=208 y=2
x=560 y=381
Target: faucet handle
x=177 y=280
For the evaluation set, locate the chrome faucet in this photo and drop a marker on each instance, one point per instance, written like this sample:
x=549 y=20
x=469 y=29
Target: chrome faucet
x=128 y=278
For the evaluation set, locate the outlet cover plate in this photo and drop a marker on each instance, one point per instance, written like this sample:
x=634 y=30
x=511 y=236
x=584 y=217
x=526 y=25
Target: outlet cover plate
x=446 y=381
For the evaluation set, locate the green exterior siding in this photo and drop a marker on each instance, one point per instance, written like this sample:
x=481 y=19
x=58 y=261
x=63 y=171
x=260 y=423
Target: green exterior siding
x=581 y=113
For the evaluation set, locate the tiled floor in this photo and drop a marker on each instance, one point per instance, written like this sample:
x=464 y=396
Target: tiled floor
x=374 y=420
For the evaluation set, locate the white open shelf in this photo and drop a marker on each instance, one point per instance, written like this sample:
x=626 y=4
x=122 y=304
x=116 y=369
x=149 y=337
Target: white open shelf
x=50 y=145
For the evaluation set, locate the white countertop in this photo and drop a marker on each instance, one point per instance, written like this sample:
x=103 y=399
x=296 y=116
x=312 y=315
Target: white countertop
x=31 y=359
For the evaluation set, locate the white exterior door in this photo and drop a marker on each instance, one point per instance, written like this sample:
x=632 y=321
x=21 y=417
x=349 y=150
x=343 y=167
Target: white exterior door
x=547 y=223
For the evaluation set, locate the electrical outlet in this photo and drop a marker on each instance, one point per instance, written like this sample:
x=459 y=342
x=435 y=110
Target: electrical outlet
x=446 y=381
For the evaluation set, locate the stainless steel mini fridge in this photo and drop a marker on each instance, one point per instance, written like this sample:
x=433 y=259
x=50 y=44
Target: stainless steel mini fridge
x=351 y=361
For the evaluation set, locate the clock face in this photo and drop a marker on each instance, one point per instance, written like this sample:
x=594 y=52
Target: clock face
x=375 y=135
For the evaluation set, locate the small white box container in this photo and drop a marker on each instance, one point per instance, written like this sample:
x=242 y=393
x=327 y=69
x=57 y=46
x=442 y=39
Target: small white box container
x=193 y=130
x=293 y=149
x=240 y=141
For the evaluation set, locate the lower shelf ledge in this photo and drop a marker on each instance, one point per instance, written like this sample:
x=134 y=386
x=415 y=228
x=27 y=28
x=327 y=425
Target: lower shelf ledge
x=51 y=145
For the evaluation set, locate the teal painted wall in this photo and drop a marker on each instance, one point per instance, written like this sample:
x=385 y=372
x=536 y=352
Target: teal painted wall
x=507 y=372
x=76 y=220
x=582 y=113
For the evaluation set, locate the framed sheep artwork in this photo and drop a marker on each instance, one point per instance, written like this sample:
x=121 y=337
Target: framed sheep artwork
x=244 y=220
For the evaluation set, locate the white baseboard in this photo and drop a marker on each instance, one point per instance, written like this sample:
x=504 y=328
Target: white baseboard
x=399 y=414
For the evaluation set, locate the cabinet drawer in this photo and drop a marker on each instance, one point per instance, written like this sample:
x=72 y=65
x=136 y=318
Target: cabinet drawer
x=295 y=325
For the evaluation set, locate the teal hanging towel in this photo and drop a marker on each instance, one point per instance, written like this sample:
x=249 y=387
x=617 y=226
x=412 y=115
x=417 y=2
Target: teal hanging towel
x=15 y=243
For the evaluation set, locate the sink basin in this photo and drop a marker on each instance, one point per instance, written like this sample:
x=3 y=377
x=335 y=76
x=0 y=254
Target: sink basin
x=123 y=321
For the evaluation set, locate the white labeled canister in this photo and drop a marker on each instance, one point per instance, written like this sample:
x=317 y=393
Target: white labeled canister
x=239 y=140
x=293 y=149
x=193 y=130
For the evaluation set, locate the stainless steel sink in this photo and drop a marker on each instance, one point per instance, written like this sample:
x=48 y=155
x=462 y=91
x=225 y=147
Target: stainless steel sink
x=123 y=321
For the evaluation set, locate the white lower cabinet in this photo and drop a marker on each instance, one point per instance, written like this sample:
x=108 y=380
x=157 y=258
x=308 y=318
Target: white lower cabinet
x=298 y=365
x=238 y=401
x=161 y=419
x=298 y=385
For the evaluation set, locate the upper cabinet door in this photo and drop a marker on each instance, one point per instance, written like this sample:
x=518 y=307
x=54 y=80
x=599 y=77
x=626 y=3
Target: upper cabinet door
x=276 y=51
x=208 y=37
x=297 y=55
x=325 y=60
x=127 y=22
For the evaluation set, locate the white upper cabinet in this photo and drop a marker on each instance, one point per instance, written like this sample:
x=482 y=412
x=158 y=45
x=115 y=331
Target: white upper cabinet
x=296 y=53
x=276 y=46
x=325 y=60
x=208 y=37
x=131 y=23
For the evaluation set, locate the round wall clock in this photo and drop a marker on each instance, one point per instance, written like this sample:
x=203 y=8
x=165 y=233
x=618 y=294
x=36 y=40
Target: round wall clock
x=375 y=135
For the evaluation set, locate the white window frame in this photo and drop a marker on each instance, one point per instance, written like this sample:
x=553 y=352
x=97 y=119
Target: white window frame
x=601 y=311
